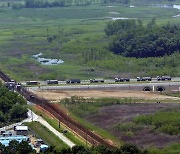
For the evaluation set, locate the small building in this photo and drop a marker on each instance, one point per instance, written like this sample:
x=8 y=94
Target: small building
x=21 y=130
x=6 y=139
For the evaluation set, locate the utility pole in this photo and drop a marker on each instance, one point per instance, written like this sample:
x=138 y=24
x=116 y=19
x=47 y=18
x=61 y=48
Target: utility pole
x=59 y=124
x=47 y=32
x=86 y=137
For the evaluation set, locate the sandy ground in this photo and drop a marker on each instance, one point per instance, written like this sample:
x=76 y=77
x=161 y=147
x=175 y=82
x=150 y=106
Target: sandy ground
x=55 y=95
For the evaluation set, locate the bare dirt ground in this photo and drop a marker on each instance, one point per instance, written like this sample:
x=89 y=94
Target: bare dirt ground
x=55 y=95
x=109 y=116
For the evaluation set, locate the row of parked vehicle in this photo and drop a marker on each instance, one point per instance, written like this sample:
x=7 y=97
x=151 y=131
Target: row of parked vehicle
x=117 y=79
x=91 y=81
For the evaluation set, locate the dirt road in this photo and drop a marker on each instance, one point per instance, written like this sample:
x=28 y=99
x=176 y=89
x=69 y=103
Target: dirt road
x=55 y=95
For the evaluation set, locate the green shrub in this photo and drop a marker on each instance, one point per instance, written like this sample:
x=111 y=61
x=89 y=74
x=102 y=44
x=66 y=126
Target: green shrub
x=163 y=121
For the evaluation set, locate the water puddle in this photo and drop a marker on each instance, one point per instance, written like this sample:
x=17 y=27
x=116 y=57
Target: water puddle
x=111 y=6
x=178 y=15
x=114 y=13
x=47 y=61
x=176 y=7
x=120 y=18
x=131 y=6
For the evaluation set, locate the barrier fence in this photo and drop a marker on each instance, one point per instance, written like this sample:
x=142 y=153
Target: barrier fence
x=62 y=116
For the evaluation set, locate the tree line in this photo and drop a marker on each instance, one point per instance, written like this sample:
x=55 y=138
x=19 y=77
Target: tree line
x=62 y=3
x=23 y=147
x=12 y=107
x=131 y=38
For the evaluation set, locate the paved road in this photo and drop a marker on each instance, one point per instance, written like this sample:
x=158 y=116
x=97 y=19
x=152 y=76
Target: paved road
x=29 y=119
x=58 y=134
x=171 y=86
x=174 y=79
x=33 y=117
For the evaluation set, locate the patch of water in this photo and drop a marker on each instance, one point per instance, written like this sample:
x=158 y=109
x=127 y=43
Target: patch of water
x=114 y=13
x=131 y=6
x=111 y=6
x=120 y=18
x=47 y=61
x=176 y=7
x=178 y=15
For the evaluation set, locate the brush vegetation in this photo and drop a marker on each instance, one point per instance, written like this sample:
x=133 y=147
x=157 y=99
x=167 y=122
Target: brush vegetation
x=76 y=35
x=165 y=121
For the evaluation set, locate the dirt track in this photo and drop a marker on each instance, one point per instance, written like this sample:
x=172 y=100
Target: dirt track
x=55 y=95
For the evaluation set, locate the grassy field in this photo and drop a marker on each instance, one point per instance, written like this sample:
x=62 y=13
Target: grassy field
x=79 y=32
x=49 y=138
x=55 y=123
x=176 y=94
x=146 y=124
x=79 y=107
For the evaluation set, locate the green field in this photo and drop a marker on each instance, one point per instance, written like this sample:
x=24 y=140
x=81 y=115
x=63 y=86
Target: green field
x=123 y=120
x=55 y=124
x=79 y=40
x=49 y=138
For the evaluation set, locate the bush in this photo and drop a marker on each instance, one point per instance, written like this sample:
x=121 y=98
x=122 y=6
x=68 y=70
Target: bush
x=164 y=121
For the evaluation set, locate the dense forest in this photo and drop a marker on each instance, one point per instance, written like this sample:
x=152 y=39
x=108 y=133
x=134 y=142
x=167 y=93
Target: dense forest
x=12 y=107
x=131 y=38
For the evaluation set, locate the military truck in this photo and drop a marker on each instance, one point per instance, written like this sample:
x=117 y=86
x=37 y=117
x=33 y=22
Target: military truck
x=144 y=79
x=163 y=78
x=96 y=80
x=122 y=79
x=52 y=81
x=32 y=83
x=73 y=81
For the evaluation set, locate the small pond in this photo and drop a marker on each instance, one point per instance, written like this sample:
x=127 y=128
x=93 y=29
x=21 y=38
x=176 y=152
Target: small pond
x=47 y=61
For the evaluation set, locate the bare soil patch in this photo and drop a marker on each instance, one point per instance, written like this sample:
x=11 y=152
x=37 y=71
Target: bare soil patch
x=109 y=116
x=55 y=95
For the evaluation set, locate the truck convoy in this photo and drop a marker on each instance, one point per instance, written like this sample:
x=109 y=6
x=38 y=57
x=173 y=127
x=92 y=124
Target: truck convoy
x=96 y=80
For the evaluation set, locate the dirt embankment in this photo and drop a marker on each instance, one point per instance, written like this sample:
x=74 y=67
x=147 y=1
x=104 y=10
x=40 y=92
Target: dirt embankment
x=55 y=95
